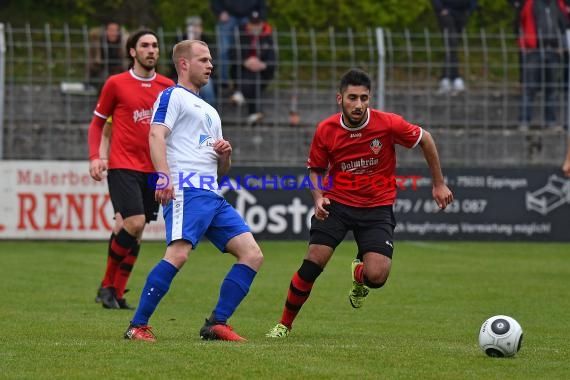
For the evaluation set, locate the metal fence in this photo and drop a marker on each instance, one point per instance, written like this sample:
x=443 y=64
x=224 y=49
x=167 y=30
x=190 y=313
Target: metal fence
x=46 y=109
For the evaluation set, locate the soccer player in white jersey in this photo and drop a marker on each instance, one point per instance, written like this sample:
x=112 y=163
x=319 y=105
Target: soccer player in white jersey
x=186 y=143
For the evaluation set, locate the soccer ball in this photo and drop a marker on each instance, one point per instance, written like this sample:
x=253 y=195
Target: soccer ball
x=500 y=336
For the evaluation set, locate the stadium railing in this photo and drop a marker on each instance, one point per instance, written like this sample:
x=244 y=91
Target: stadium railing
x=47 y=104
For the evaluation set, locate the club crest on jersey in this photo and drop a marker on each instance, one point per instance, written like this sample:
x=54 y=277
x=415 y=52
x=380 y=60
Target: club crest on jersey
x=206 y=140
x=375 y=145
x=209 y=121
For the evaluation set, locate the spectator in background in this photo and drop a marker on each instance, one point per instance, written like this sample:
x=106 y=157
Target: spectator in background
x=565 y=56
x=517 y=5
x=452 y=16
x=231 y=15
x=253 y=65
x=542 y=28
x=107 y=54
x=194 y=31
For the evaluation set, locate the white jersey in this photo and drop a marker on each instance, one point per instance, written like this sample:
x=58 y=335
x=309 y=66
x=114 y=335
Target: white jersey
x=194 y=126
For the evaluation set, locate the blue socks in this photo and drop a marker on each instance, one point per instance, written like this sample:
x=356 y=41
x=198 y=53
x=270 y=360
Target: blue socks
x=233 y=290
x=157 y=284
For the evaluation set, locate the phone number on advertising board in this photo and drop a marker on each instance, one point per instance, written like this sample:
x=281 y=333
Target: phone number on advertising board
x=468 y=206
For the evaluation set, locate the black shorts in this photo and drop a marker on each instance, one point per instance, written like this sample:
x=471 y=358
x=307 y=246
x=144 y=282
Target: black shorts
x=131 y=194
x=373 y=228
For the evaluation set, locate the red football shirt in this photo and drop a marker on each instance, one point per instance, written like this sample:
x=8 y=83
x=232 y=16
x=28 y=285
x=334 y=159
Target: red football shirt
x=361 y=162
x=129 y=99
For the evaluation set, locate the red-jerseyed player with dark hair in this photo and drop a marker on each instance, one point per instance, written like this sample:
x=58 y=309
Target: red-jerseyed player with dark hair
x=358 y=142
x=127 y=97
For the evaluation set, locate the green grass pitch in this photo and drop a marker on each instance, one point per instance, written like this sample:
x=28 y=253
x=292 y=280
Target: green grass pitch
x=423 y=324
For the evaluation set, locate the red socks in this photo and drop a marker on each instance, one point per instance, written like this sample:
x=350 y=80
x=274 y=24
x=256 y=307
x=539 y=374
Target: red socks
x=298 y=293
x=359 y=273
x=124 y=271
x=122 y=254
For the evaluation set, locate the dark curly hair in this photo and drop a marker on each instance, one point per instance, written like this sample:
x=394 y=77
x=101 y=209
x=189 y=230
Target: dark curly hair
x=355 y=77
x=132 y=43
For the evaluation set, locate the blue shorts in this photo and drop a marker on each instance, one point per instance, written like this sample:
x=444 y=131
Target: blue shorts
x=196 y=213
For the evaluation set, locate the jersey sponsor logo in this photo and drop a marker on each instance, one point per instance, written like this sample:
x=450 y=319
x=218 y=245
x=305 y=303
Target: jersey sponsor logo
x=355 y=135
x=363 y=163
x=144 y=84
x=139 y=115
x=375 y=145
x=206 y=140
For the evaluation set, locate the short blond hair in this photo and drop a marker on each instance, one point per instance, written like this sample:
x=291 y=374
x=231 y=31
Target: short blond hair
x=183 y=49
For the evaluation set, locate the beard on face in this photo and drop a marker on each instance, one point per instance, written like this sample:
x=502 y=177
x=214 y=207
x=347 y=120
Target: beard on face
x=350 y=117
x=145 y=65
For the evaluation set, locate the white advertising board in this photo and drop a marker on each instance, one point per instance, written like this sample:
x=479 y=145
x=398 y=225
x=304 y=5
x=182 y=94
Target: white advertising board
x=57 y=200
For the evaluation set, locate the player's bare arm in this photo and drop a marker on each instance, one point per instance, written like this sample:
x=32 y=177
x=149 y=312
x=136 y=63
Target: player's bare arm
x=97 y=166
x=105 y=141
x=566 y=164
x=157 y=143
x=224 y=150
x=321 y=202
x=105 y=145
x=440 y=192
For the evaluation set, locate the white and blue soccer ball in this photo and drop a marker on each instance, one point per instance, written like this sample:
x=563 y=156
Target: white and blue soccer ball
x=500 y=336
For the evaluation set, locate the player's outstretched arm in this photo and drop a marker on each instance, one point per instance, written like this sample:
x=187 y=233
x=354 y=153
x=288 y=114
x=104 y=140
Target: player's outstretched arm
x=566 y=164
x=440 y=192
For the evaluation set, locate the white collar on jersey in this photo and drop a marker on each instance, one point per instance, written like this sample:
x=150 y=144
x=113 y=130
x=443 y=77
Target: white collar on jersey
x=138 y=77
x=357 y=128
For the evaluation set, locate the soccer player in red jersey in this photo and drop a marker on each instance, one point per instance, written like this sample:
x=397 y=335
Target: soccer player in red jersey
x=127 y=97
x=358 y=142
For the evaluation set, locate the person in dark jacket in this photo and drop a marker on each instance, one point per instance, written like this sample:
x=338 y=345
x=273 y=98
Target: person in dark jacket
x=517 y=6
x=231 y=15
x=541 y=39
x=107 y=54
x=253 y=65
x=452 y=16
